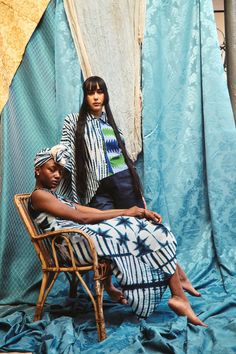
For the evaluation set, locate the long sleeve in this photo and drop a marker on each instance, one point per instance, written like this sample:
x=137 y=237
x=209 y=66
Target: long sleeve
x=68 y=184
x=68 y=137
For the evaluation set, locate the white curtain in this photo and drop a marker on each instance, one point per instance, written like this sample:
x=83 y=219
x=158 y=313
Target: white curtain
x=108 y=37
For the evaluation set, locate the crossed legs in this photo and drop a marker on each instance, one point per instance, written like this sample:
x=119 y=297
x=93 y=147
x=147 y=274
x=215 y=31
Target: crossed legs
x=179 y=302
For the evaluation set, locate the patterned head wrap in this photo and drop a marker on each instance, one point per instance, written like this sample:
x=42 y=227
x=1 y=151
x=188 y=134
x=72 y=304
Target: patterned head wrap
x=59 y=153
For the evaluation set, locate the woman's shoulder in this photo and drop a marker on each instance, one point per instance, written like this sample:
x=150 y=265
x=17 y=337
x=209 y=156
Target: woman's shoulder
x=42 y=192
x=72 y=117
x=37 y=195
x=49 y=195
x=70 y=122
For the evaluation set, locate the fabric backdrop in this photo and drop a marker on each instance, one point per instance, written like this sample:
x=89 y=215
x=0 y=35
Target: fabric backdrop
x=189 y=135
x=46 y=88
x=115 y=56
x=188 y=169
x=18 y=20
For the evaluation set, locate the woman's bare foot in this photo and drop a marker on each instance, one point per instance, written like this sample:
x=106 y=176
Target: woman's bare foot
x=186 y=285
x=185 y=282
x=183 y=308
x=115 y=293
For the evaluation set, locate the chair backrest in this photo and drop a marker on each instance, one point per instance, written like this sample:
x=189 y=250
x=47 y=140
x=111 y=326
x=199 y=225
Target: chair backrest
x=21 y=202
x=43 y=247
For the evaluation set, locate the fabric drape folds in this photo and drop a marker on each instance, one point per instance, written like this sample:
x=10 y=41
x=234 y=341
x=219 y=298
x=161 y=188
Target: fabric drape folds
x=18 y=20
x=187 y=116
x=45 y=88
x=108 y=37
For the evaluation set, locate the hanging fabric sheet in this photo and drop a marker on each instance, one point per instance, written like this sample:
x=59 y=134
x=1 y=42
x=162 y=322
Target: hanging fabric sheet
x=18 y=20
x=108 y=37
x=189 y=135
x=44 y=89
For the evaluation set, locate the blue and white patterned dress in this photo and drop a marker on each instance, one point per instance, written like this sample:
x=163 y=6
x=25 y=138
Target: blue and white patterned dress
x=142 y=253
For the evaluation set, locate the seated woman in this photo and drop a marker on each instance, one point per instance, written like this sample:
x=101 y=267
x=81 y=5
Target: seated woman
x=141 y=250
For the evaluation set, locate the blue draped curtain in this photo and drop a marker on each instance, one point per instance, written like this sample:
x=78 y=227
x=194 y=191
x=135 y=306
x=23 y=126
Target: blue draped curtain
x=188 y=171
x=189 y=137
x=45 y=88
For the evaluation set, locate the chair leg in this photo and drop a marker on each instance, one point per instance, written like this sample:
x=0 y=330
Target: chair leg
x=97 y=303
x=40 y=302
x=100 y=322
x=73 y=286
x=44 y=291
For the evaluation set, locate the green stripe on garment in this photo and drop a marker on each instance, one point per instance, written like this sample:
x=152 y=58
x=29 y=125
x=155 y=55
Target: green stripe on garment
x=108 y=132
x=117 y=161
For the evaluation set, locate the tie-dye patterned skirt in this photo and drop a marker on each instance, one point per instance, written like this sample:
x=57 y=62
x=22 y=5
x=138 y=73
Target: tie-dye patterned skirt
x=142 y=255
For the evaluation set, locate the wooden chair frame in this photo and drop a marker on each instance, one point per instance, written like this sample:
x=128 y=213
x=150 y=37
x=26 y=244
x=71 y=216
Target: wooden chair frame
x=52 y=264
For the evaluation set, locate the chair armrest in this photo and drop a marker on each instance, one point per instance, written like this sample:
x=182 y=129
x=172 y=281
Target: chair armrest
x=53 y=235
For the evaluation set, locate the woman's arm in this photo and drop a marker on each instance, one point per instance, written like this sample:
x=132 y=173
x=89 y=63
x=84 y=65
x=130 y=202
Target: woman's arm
x=68 y=136
x=112 y=213
x=68 y=130
x=46 y=202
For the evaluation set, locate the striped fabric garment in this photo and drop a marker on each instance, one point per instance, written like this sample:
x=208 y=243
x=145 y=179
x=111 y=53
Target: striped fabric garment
x=142 y=254
x=97 y=164
x=114 y=157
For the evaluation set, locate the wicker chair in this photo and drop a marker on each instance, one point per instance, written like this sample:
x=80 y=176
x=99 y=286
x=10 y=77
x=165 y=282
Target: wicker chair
x=53 y=263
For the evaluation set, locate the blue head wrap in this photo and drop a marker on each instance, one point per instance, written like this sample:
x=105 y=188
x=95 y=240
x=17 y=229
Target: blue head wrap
x=59 y=153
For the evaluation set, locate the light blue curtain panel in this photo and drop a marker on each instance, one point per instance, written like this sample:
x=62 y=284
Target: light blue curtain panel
x=189 y=137
x=188 y=171
x=45 y=88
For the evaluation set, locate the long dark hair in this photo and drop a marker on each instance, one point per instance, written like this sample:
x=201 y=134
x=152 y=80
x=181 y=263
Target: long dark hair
x=91 y=84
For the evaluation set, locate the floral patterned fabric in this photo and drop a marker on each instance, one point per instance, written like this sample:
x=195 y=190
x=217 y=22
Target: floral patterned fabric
x=189 y=135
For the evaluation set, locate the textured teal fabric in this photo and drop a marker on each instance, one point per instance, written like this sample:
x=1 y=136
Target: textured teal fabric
x=188 y=168
x=45 y=88
x=189 y=137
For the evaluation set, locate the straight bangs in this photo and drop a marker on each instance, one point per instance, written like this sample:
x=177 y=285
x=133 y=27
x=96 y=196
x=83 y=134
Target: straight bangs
x=92 y=83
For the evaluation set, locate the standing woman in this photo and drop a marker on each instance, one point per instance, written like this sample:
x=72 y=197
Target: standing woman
x=102 y=175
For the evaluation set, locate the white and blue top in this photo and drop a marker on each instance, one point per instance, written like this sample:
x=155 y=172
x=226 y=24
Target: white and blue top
x=104 y=157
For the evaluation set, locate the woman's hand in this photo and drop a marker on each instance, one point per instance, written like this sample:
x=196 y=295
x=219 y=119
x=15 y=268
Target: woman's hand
x=152 y=215
x=135 y=211
x=143 y=213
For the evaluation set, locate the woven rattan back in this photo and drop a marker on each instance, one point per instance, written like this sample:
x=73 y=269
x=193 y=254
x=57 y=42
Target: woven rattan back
x=42 y=246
